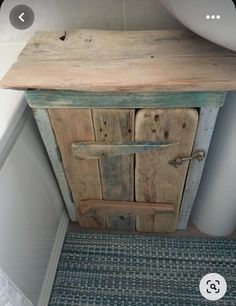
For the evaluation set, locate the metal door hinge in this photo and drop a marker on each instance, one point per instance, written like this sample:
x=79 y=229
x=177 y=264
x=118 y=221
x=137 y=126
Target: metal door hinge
x=198 y=155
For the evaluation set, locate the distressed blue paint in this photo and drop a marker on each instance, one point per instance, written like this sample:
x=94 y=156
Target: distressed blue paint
x=75 y=99
x=92 y=150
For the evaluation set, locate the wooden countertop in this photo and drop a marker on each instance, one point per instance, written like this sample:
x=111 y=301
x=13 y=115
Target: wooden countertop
x=114 y=61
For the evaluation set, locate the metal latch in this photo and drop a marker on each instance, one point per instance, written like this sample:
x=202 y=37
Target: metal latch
x=198 y=154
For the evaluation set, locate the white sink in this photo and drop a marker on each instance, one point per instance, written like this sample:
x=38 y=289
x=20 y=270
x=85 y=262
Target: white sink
x=198 y=16
x=218 y=180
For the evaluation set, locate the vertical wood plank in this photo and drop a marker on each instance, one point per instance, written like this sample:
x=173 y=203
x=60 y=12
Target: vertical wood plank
x=205 y=130
x=47 y=134
x=117 y=173
x=164 y=222
x=155 y=179
x=71 y=125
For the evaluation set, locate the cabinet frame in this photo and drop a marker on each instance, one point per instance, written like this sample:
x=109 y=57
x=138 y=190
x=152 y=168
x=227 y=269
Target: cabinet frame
x=207 y=102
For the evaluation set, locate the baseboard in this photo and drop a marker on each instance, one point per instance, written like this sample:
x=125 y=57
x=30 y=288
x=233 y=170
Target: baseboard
x=53 y=261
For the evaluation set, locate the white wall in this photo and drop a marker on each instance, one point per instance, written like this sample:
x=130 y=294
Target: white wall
x=98 y=14
x=30 y=211
x=30 y=202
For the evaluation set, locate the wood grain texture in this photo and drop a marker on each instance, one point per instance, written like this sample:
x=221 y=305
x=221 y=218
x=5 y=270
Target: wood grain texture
x=121 y=61
x=117 y=173
x=96 y=150
x=87 y=44
x=126 y=75
x=207 y=119
x=74 y=99
x=155 y=179
x=83 y=175
x=116 y=208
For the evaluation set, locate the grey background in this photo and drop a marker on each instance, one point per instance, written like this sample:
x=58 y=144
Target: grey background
x=97 y=14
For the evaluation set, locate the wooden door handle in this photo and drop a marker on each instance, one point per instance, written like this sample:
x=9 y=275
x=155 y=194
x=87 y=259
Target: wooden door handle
x=103 y=208
x=95 y=150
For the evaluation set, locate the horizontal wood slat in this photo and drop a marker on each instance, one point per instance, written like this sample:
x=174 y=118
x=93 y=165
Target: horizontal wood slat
x=116 y=208
x=94 y=150
x=74 y=99
x=121 y=61
x=128 y=75
x=87 y=44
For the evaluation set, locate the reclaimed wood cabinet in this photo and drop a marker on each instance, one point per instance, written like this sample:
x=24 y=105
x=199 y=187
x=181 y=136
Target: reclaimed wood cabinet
x=123 y=155
x=127 y=119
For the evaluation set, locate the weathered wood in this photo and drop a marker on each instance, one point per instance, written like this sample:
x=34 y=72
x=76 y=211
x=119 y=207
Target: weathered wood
x=110 y=70
x=116 y=208
x=73 y=99
x=163 y=223
x=117 y=173
x=205 y=130
x=125 y=75
x=83 y=175
x=87 y=44
x=95 y=150
x=121 y=61
x=47 y=134
x=155 y=179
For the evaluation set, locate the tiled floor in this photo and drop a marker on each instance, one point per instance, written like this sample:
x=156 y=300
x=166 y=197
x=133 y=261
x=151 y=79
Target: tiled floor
x=192 y=231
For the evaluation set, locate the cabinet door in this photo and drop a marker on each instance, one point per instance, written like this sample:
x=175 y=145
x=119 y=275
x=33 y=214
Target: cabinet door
x=126 y=178
x=71 y=125
x=155 y=179
x=109 y=178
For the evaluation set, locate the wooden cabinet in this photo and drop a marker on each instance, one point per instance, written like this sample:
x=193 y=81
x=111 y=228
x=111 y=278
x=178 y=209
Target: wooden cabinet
x=127 y=119
x=132 y=165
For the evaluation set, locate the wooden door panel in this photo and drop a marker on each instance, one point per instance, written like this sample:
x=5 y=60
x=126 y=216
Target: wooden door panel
x=155 y=179
x=114 y=178
x=117 y=173
x=71 y=125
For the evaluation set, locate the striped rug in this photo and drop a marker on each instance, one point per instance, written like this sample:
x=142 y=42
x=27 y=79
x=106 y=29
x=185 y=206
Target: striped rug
x=140 y=270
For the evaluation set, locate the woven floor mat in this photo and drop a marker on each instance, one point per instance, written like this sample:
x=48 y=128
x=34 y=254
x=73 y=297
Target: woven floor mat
x=140 y=270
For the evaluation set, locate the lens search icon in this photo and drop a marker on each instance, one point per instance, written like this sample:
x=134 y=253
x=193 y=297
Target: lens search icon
x=213 y=286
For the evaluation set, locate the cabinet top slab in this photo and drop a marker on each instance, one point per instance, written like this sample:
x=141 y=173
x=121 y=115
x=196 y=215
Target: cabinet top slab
x=128 y=61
